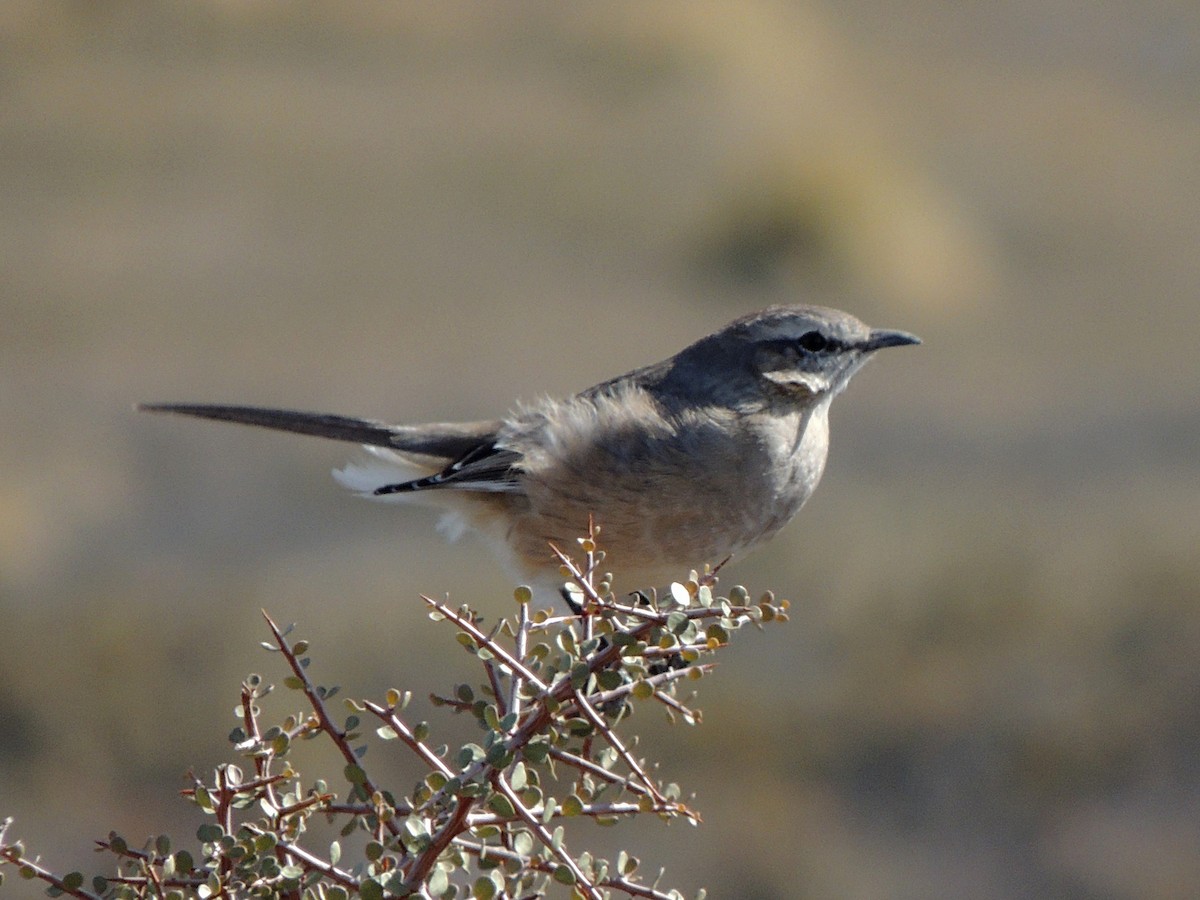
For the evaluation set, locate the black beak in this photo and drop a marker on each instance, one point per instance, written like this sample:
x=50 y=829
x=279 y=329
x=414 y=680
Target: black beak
x=880 y=339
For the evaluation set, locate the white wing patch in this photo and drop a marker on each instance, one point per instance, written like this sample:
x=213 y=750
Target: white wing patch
x=376 y=467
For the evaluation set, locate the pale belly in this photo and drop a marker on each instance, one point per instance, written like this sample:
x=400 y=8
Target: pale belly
x=668 y=512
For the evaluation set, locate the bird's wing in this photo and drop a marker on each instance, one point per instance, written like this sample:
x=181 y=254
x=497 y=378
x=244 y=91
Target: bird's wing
x=467 y=450
x=486 y=467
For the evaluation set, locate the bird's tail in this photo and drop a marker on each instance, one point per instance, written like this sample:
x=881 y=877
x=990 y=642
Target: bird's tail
x=338 y=428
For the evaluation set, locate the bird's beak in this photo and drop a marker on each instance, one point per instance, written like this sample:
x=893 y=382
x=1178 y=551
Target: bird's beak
x=880 y=339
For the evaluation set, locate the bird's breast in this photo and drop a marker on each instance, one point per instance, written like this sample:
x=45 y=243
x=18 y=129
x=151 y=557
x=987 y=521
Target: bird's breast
x=669 y=494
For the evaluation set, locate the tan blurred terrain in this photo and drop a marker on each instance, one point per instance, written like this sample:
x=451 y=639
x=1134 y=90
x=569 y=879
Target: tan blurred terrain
x=990 y=686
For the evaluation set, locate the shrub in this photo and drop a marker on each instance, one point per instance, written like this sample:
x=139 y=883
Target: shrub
x=487 y=819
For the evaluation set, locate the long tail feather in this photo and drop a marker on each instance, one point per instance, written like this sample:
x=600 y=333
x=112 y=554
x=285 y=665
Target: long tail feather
x=338 y=428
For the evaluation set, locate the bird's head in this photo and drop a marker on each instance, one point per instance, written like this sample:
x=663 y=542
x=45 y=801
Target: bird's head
x=808 y=351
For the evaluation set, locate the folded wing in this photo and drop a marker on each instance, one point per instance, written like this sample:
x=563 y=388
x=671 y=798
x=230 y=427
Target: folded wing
x=463 y=455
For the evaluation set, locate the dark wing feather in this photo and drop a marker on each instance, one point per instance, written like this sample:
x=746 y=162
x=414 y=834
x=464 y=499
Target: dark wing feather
x=485 y=467
x=478 y=463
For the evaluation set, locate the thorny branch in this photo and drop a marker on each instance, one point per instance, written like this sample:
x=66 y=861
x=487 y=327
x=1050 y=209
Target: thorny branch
x=555 y=691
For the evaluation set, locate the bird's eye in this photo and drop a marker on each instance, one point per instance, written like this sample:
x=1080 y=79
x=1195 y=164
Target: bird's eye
x=813 y=341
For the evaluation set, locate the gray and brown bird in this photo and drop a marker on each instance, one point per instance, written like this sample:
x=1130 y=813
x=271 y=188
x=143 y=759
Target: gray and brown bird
x=694 y=459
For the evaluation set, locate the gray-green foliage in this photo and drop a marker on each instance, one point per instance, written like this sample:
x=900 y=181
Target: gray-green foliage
x=489 y=818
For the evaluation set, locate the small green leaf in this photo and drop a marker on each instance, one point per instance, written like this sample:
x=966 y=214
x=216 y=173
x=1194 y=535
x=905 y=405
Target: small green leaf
x=499 y=756
x=677 y=622
x=715 y=633
x=679 y=594
x=204 y=800
x=294 y=682
x=519 y=777
x=468 y=754
x=438 y=882
x=354 y=774
x=532 y=796
x=575 y=593
x=566 y=642
x=73 y=881
x=563 y=875
x=579 y=675
x=523 y=843
x=579 y=726
x=491 y=716
x=414 y=826
x=265 y=842
x=609 y=679
x=501 y=806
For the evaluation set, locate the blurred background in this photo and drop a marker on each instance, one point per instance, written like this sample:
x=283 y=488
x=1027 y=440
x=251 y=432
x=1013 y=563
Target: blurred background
x=990 y=686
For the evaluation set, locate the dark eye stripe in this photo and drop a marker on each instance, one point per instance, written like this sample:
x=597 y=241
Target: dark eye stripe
x=815 y=342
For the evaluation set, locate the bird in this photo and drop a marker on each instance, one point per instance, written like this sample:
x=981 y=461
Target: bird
x=693 y=460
